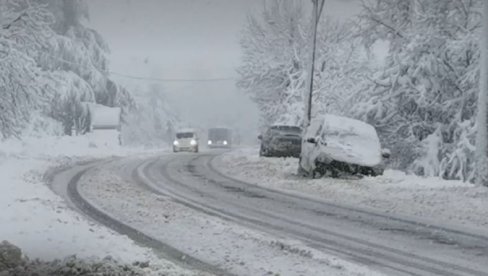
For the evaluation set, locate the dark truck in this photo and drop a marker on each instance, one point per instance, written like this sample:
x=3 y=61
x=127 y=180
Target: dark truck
x=219 y=138
x=281 y=141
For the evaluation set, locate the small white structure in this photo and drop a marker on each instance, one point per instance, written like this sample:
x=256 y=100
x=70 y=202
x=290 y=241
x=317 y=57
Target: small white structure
x=105 y=124
x=104 y=117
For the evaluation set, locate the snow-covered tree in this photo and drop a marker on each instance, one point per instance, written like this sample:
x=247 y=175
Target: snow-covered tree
x=24 y=32
x=51 y=63
x=276 y=47
x=273 y=69
x=152 y=122
x=481 y=122
x=426 y=94
x=342 y=66
x=80 y=52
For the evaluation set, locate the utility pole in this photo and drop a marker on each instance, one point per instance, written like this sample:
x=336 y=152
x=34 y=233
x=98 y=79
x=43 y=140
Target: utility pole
x=481 y=120
x=318 y=6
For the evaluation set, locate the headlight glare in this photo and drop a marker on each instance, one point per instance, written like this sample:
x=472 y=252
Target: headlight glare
x=209 y=142
x=225 y=142
x=176 y=143
x=193 y=142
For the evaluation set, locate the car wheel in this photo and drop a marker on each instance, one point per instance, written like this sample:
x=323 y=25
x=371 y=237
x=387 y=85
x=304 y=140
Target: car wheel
x=263 y=152
x=196 y=150
x=315 y=174
x=334 y=173
x=302 y=172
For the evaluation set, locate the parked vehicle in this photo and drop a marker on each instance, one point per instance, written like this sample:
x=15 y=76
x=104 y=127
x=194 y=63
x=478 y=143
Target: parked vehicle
x=337 y=145
x=219 y=138
x=186 y=140
x=281 y=141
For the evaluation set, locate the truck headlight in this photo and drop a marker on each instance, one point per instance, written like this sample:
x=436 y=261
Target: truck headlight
x=193 y=142
x=209 y=142
x=225 y=142
x=176 y=143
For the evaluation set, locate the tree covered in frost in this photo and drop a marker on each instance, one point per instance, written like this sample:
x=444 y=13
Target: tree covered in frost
x=152 y=122
x=424 y=100
x=272 y=70
x=81 y=54
x=342 y=66
x=481 y=157
x=24 y=33
x=51 y=64
x=275 y=48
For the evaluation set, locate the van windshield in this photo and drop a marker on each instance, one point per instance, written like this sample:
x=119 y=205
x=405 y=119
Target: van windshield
x=218 y=134
x=184 y=135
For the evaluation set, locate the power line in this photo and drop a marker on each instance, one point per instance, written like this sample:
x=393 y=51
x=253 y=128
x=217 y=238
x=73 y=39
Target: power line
x=149 y=78
x=172 y=80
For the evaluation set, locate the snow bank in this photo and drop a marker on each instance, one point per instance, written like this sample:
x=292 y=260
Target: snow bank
x=40 y=222
x=100 y=144
x=444 y=202
x=12 y=262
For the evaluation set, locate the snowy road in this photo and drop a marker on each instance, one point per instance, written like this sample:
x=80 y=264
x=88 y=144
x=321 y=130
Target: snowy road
x=181 y=205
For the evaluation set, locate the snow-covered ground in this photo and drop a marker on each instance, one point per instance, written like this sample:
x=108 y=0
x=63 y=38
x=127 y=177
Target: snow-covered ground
x=40 y=222
x=237 y=249
x=432 y=200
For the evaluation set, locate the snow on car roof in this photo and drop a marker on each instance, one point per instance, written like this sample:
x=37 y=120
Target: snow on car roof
x=347 y=140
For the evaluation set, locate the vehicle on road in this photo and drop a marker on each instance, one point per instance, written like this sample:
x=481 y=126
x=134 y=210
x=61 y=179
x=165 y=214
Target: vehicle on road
x=186 y=140
x=336 y=145
x=281 y=141
x=219 y=138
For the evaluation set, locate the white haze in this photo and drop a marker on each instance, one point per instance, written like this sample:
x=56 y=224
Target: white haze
x=185 y=39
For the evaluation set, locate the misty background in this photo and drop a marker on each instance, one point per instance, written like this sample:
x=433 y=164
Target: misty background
x=192 y=40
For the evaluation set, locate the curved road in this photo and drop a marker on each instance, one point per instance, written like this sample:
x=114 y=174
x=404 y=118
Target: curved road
x=389 y=244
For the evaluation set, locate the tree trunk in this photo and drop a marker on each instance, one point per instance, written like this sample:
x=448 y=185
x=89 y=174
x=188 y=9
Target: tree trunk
x=481 y=120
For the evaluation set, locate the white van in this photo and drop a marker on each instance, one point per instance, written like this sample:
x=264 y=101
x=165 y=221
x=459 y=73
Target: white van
x=186 y=140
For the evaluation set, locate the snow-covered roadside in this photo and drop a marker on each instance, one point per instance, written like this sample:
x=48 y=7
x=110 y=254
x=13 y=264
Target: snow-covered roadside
x=40 y=222
x=433 y=200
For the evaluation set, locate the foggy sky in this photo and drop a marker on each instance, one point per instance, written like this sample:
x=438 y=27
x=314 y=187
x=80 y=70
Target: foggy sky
x=186 y=39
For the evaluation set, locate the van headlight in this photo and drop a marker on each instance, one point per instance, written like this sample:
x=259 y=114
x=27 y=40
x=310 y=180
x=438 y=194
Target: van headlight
x=225 y=142
x=176 y=143
x=193 y=142
x=209 y=142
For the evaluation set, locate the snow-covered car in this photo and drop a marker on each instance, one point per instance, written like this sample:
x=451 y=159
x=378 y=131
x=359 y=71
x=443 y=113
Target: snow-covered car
x=219 y=138
x=281 y=141
x=186 y=140
x=335 y=145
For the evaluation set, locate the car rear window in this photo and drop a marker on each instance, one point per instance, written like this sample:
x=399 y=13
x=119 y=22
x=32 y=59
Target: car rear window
x=287 y=128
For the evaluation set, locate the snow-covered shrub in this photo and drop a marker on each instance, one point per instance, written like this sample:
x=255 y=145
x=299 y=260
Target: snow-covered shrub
x=10 y=256
x=40 y=125
x=14 y=263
